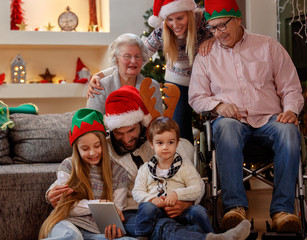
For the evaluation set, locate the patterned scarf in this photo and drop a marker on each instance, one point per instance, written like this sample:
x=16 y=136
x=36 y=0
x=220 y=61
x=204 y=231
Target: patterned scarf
x=161 y=182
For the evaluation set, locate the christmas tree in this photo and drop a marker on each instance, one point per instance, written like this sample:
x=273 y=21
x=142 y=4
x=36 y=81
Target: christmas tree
x=155 y=68
x=16 y=14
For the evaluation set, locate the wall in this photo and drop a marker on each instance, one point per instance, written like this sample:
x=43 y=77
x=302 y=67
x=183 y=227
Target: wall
x=261 y=17
x=39 y=52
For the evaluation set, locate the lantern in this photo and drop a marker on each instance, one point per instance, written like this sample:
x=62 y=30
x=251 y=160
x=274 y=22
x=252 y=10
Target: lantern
x=18 y=70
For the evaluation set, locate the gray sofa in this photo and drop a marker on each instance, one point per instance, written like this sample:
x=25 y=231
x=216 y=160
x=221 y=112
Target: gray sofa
x=30 y=154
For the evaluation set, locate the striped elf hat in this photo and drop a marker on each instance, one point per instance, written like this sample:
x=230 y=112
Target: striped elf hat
x=221 y=8
x=85 y=120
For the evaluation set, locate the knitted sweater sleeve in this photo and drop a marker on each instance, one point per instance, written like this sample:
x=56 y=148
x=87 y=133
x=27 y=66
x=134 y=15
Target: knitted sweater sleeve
x=191 y=179
x=63 y=174
x=140 y=192
x=154 y=41
x=120 y=186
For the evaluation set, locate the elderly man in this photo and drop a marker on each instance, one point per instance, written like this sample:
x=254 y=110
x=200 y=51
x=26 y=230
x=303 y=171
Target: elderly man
x=251 y=84
x=127 y=118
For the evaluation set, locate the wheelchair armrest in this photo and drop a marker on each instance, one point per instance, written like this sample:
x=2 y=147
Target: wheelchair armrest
x=207 y=117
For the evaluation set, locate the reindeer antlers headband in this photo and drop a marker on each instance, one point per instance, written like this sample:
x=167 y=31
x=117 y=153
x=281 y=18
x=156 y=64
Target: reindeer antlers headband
x=172 y=92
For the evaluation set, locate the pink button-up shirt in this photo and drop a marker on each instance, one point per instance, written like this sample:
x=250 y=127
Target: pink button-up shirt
x=257 y=75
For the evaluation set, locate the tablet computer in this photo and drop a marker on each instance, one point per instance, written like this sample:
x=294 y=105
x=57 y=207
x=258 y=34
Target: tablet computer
x=105 y=214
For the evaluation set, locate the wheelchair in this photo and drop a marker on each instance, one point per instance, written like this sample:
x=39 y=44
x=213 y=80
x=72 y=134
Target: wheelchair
x=205 y=163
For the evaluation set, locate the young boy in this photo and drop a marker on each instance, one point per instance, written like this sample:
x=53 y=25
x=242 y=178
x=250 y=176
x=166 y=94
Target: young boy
x=165 y=179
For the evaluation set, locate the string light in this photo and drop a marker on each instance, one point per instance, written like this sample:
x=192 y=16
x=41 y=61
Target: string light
x=296 y=12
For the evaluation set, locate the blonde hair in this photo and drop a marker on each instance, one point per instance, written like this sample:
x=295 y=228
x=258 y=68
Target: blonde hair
x=79 y=181
x=170 y=45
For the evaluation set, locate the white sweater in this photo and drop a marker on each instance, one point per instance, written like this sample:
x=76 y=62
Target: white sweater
x=186 y=183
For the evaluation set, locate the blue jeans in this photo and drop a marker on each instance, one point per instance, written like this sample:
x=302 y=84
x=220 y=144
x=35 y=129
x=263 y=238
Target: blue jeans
x=183 y=114
x=149 y=213
x=65 y=230
x=230 y=137
x=167 y=228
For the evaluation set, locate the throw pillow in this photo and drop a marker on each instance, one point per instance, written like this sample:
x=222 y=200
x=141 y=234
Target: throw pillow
x=41 y=138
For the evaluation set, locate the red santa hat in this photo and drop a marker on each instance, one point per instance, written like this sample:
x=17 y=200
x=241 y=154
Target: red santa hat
x=124 y=107
x=163 y=8
x=80 y=66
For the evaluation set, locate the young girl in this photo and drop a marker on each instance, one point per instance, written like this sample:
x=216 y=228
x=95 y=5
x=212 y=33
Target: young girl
x=92 y=177
x=167 y=178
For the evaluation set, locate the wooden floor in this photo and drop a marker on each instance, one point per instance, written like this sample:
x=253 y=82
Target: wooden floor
x=259 y=201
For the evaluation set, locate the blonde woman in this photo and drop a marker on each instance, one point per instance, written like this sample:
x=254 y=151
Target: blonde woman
x=92 y=177
x=180 y=30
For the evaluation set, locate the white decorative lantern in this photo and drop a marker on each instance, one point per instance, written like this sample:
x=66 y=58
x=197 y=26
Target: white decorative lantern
x=18 y=70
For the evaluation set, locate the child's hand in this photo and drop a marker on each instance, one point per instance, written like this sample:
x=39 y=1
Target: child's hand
x=120 y=214
x=159 y=202
x=112 y=232
x=171 y=199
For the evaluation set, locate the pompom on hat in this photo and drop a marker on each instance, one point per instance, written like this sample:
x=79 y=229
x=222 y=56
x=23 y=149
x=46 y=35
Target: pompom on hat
x=221 y=8
x=124 y=107
x=85 y=120
x=163 y=8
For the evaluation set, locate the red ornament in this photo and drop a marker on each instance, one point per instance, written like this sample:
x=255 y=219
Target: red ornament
x=2 y=77
x=16 y=14
x=93 y=13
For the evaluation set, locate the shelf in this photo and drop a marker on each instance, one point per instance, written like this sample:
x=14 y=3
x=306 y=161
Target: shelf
x=30 y=38
x=43 y=90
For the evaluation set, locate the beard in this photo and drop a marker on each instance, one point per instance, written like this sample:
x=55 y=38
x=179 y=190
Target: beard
x=120 y=148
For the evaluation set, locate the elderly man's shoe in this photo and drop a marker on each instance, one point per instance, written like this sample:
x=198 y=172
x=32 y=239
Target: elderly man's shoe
x=232 y=218
x=285 y=222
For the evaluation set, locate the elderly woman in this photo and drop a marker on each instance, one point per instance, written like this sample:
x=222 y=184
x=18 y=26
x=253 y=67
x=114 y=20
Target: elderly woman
x=128 y=53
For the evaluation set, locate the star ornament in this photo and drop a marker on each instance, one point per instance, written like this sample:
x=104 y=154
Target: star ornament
x=47 y=76
x=49 y=27
x=93 y=28
x=22 y=26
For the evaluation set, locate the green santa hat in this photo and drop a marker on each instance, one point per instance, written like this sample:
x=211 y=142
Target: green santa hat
x=221 y=8
x=85 y=120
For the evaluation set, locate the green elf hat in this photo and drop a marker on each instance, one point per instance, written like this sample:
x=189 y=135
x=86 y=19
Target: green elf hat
x=85 y=120
x=221 y=8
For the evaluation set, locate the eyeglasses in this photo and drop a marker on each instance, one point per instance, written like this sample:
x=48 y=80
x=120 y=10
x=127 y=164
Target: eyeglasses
x=128 y=57
x=221 y=27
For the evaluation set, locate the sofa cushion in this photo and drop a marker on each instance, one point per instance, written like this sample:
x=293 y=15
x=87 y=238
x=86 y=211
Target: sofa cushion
x=41 y=138
x=4 y=148
x=22 y=199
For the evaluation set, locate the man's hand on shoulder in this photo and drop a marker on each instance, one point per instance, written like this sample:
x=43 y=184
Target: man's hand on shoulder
x=228 y=110
x=54 y=195
x=287 y=117
x=177 y=209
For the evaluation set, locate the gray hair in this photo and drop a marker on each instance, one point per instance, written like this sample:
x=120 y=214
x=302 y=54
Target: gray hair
x=127 y=39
